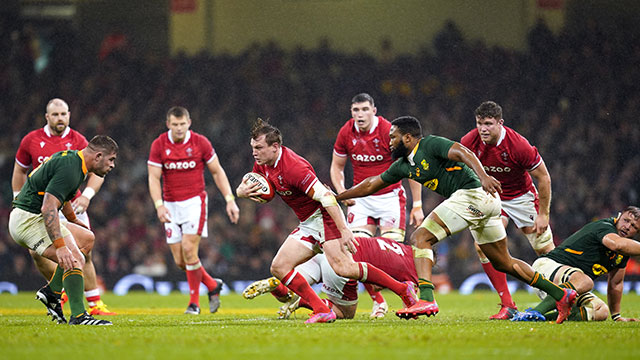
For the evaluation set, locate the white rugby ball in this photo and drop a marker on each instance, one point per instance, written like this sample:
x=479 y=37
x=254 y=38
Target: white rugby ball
x=267 y=192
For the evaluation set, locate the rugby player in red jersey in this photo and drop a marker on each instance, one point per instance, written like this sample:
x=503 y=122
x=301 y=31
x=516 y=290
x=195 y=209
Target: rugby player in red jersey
x=510 y=158
x=322 y=223
x=179 y=157
x=364 y=140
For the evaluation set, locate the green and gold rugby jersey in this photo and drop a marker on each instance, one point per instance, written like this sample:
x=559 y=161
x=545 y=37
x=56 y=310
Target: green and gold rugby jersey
x=59 y=176
x=429 y=165
x=584 y=250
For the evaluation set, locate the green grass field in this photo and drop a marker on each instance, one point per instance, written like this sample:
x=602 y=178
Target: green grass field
x=151 y=326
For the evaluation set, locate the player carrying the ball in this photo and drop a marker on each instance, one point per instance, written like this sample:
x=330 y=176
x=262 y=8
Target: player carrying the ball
x=322 y=224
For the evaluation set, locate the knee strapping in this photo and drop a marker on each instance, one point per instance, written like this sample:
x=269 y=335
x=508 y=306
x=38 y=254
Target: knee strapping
x=422 y=253
x=539 y=242
x=394 y=234
x=436 y=229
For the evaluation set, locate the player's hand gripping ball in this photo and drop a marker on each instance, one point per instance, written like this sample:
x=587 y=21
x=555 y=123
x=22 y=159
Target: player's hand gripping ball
x=266 y=190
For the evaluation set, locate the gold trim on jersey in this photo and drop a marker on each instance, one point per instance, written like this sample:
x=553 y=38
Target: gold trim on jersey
x=84 y=164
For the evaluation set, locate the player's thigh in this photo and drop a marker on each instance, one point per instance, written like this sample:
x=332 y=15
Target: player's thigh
x=291 y=254
x=187 y=217
x=28 y=230
x=84 y=238
x=522 y=210
x=388 y=210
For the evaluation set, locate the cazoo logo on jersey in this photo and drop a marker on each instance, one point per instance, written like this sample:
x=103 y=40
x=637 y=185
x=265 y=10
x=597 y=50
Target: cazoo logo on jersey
x=180 y=165
x=498 y=169
x=367 y=158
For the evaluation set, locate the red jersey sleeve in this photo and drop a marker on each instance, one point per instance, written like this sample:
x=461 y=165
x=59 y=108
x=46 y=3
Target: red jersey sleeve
x=23 y=156
x=467 y=140
x=340 y=146
x=155 y=154
x=208 y=152
x=526 y=154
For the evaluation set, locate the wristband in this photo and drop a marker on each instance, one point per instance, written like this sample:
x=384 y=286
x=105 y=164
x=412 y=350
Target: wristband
x=88 y=192
x=15 y=193
x=58 y=243
x=158 y=203
x=615 y=317
x=417 y=204
x=72 y=218
x=229 y=197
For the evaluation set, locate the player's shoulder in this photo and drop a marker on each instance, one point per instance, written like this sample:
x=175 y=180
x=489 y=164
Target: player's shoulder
x=469 y=138
x=515 y=137
x=34 y=134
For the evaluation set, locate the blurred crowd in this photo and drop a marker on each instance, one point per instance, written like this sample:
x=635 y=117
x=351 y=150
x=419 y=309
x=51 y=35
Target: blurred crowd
x=574 y=95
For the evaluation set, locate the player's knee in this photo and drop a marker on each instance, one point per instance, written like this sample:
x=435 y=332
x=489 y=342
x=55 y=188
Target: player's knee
x=542 y=243
x=582 y=283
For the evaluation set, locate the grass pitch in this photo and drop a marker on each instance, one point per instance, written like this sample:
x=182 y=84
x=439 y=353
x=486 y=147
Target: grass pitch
x=150 y=326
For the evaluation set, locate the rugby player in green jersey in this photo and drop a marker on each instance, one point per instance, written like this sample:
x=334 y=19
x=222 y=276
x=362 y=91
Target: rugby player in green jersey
x=598 y=248
x=453 y=171
x=34 y=222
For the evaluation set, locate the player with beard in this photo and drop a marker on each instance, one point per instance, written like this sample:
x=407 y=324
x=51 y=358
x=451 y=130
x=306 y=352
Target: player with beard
x=453 y=171
x=364 y=141
x=35 y=148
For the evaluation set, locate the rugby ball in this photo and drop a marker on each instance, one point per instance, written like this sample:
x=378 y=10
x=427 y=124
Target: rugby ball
x=267 y=192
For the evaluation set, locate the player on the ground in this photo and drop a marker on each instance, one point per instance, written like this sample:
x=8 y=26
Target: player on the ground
x=179 y=157
x=322 y=223
x=394 y=258
x=453 y=171
x=35 y=148
x=598 y=248
x=508 y=156
x=364 y=140
x=35 y=223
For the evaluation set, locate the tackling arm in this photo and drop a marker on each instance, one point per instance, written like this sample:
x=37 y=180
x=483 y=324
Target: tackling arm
x=49 y=210
x=460 y=153
x=543 y=179
x=368 y=186
x=222 y=182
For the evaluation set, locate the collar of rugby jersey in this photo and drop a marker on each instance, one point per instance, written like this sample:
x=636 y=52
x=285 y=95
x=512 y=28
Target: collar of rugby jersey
x=413 y=153
x=84 y=163
x=47 y=130
x=374 y=125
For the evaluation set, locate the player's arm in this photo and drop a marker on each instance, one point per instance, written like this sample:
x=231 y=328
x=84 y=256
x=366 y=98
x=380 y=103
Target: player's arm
x=70 y=214
x=417 y=215
x=615 y=286
x=222 y=182
x=366 y=187
x=541 y=175
x=458 y=152
x=155 y=190
x=49 y=209
x=324 y=196
x=81 y=204
x=18 y=178
x=621 y=245
x=336 y=171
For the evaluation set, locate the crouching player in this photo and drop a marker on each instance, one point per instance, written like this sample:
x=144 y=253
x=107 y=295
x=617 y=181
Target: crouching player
x=601 y=247
x=396 y=259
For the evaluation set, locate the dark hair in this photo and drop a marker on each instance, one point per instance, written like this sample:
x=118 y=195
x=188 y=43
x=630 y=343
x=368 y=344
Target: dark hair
x=489 y=109
x=178 y=111
x=634 y=210
x=262 y=127
x=362 y=97
x=408 y=125
x=103 y=143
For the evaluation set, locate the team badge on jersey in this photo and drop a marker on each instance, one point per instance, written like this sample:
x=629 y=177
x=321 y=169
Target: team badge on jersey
x=41 y=144
x=168 y=151
x=189 y=152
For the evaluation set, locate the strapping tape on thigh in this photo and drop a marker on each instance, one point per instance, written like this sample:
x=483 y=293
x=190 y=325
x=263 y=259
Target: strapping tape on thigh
x=436 y=229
